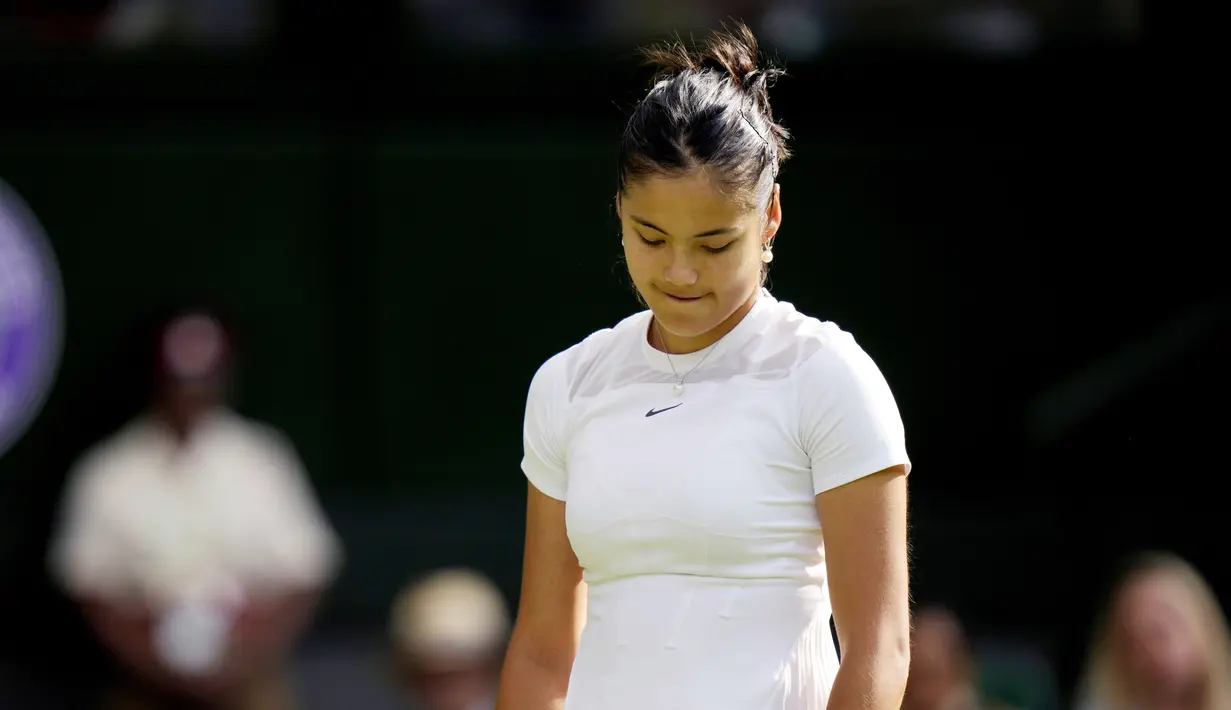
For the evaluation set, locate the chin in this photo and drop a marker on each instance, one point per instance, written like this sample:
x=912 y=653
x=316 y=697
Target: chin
x=686 y=325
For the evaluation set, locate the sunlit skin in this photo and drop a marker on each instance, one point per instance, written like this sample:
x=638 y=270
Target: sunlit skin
x=694 y=254
x=1157 y=642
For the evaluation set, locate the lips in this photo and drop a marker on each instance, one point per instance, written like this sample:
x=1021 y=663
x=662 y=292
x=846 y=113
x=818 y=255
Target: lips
x=680 y=297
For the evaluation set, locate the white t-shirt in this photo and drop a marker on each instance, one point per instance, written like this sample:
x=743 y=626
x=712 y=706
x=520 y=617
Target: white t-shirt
x=696 y=526
x=146 y=517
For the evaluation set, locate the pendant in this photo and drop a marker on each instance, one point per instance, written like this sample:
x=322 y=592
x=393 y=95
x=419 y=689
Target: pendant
x=678 y=388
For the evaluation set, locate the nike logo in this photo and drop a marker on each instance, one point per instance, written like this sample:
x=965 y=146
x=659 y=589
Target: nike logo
x=652 y=412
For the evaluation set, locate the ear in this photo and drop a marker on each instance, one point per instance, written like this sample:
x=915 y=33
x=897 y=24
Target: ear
x=618 y=205
x=773 y=215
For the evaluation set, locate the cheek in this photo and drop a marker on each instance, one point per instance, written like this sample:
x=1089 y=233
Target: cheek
x=638 y=259
x=743 y=266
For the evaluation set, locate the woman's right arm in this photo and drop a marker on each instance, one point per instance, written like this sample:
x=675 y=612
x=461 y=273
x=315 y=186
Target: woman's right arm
x=550 y=615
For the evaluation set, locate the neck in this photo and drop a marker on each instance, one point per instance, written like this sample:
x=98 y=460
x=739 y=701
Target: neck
x=681 y=345
x=182 y=426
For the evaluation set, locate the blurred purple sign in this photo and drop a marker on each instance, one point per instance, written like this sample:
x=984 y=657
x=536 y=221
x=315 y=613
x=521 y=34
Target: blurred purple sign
x=30 y=317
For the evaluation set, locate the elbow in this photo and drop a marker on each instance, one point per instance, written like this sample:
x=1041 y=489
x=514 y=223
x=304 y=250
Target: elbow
x=545 y=658
x=885 y=664
x=896 y=663
x=532 y=677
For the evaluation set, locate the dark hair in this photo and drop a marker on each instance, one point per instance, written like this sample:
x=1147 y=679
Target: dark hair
x=708 y=108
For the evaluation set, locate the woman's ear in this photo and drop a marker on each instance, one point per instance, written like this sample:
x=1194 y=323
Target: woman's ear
x=773 y=215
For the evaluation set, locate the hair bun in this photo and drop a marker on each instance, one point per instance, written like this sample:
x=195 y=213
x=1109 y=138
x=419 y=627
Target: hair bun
x=735 y=52
x=732 y=52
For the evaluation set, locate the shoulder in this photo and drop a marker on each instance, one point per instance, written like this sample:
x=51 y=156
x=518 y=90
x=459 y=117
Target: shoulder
x=258 y=434
x=562 y=374
x=848 y=417
x=823 y=351
x=831 y=370
x=254 y=441
x=835 y=355
x=119 y=452
x=107 y=473
x=809 y=346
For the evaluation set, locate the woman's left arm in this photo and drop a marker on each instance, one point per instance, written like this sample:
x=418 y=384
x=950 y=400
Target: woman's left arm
x=864 y=527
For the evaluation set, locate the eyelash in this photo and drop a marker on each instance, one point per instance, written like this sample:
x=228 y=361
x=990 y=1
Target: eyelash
x=712 y=250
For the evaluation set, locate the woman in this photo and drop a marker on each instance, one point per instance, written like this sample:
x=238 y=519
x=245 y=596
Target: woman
x=680 y=463
x=1162 y=645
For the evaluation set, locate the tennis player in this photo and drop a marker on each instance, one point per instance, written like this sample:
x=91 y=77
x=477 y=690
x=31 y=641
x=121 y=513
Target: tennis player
x=714 y=478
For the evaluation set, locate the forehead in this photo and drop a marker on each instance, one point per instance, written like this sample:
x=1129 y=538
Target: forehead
x=689 y=203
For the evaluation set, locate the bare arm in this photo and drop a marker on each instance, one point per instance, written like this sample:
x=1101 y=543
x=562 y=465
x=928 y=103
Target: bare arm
x=864 y=525
x=550 y=615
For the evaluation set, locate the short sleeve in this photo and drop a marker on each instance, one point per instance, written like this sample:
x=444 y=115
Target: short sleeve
x=542 y=433
x=85 y=557
x=849 y=419
x=302 y=549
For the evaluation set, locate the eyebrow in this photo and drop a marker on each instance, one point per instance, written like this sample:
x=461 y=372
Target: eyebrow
x=707 y=233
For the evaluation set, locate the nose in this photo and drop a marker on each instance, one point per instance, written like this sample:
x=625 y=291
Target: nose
x=680 y=271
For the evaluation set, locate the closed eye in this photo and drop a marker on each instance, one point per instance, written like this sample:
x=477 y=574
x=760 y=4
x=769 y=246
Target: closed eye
x=660 y=242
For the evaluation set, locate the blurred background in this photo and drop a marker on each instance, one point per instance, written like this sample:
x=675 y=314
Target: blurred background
x=400 y=208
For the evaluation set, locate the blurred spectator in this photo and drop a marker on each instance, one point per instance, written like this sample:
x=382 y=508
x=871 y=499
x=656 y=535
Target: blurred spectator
x=449 y=633
x=192 y=541
x=942 y=668
x=1162 y=643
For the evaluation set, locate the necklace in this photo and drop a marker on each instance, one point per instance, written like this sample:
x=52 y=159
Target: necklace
x=678 y=387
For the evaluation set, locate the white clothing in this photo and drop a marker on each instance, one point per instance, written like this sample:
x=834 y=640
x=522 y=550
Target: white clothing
x=146 y=516
x=696 y=527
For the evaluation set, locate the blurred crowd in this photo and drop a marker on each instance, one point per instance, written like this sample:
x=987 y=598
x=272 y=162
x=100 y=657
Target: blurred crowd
x=192 y=544
x=795 y=28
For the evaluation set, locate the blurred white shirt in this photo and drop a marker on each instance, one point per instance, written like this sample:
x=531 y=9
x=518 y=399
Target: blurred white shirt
x=149 y=518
